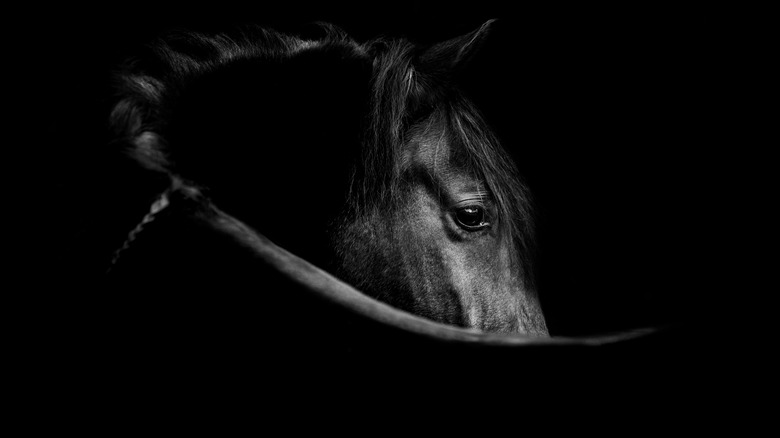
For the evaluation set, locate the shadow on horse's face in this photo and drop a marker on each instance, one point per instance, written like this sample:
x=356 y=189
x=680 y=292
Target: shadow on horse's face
x=439 y=248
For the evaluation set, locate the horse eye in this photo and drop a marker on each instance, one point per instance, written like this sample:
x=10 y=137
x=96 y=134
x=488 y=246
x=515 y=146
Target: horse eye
x=471 y=218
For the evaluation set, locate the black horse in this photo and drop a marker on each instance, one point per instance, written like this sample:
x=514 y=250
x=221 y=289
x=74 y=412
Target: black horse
x=364 y=159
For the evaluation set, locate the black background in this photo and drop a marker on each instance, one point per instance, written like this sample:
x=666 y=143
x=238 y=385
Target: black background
x=625 y=122
x=618 y=117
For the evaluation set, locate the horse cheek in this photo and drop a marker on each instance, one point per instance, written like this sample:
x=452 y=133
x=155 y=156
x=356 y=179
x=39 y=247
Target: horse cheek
x=426 y=266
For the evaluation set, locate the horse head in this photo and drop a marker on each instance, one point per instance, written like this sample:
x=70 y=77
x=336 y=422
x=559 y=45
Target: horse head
x=441 y=223
x=364 y=159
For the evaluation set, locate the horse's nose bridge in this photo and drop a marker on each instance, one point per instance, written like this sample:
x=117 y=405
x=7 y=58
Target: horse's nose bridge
x=474 y=309
x=490 y=292
x=494 y=308
x=463 y=285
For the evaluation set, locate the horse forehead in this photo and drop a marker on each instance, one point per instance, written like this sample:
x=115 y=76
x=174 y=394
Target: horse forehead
x=432 y=152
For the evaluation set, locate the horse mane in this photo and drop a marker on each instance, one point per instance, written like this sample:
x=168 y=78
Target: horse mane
x=148 y=83
x=402 y=95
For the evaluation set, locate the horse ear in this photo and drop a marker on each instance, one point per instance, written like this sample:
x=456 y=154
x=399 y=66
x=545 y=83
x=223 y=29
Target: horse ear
x=454 y=54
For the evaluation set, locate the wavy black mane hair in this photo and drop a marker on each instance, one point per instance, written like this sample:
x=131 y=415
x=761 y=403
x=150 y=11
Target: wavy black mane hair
x=241 y=116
